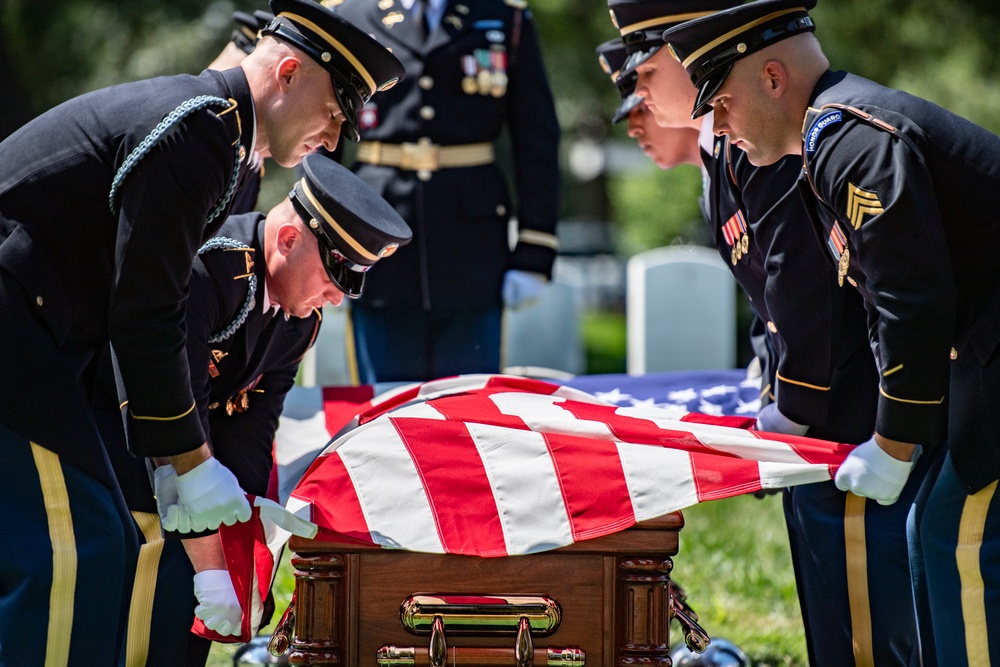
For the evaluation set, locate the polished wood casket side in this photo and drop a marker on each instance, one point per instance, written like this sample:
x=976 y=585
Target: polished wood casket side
x=614 y=593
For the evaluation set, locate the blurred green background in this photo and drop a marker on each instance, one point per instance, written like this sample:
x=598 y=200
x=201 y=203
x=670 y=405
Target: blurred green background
x=734 y=555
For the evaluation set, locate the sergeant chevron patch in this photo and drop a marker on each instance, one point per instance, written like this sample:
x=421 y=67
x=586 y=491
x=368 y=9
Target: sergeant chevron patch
x=861 y=202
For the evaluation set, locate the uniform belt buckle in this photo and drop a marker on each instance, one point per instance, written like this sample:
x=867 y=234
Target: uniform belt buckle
x=421 y=156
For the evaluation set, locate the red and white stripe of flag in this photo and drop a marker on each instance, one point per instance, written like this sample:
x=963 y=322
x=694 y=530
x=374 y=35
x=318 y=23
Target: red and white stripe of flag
x=498 y=466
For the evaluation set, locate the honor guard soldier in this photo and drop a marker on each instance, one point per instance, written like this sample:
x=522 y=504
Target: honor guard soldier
x=254 y=308
x=667 y=147
x=104 y=202
x=904 y=197
x=241 y=44
x=818 y=379
x=473 y=68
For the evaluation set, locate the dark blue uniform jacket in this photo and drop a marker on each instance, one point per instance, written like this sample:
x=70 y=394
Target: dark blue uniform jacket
x=459 y=216
x=822 y=367
x=96 y=265
x=239 y=382
x=906 y=196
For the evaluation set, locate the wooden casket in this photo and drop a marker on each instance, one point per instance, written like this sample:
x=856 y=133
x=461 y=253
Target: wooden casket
x=605 y=602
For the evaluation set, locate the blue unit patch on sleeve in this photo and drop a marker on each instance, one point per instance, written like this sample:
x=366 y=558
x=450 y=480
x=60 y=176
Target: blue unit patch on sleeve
x=820 y=124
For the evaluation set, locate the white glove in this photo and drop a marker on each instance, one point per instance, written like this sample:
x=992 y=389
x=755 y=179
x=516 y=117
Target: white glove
x=521 y=288
x=771 y=420
x=869 y=471
x=164 y=490
x=218 y=607
x=208 y=495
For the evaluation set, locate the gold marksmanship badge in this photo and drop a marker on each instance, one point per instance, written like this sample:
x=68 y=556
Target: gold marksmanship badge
x=842 y=266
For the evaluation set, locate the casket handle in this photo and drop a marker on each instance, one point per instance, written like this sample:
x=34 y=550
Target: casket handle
x=678 y=599
x=437 y=652
x=524 y=651
x=695 y=636
x=476 y=614
x=281 y=639
x=479 y=656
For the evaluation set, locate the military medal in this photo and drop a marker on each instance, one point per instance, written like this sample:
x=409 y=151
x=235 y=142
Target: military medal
x=837 y=242
x=498 y=67
x=469 y=85
x=484 y=80
x=392 y=18
x=842 y=266
x=734 y=231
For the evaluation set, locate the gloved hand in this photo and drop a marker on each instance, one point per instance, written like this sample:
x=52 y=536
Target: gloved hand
x=208 y=495
x=521 y=288
x=771 y=420
x=218 y=606
x=869 y=471
x=165 y=490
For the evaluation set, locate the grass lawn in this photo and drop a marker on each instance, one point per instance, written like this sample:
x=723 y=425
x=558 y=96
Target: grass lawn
x=734 y=564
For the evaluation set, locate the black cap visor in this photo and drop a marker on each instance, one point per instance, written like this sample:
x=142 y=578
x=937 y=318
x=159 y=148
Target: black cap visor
x=625 y=108
x=708 y=88
x=347 y=280
x=350 y=107
x=637 y=58
x=345 y=274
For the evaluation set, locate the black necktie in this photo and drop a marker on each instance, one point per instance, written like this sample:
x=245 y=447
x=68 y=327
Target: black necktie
x=420 y=17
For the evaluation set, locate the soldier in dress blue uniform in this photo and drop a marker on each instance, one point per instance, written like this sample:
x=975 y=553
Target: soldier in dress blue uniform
x=819 y=378
x=241 y=44
x=667 y=147
x=903 y=196
x=472 y=71
x=104 y=201
x=257 y=290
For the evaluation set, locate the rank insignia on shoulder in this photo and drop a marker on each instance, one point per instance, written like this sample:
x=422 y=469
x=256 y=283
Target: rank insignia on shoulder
x=861 y=203
x=811 y=136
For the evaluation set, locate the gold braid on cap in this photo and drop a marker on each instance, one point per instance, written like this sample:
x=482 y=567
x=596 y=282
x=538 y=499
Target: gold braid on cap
x=663 y=20
x=351 y=241
x=732 y=33
x=343 y=50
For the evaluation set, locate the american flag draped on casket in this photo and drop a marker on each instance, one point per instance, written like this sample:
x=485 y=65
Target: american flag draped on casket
x=489 y=465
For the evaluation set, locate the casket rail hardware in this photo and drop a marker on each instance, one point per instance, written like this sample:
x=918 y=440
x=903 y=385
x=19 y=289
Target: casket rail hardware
x=521 y=616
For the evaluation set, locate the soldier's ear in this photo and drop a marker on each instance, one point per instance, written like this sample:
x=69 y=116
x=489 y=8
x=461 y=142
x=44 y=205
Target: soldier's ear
x=288 y=67
x=286 y=239
x=775 y=77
